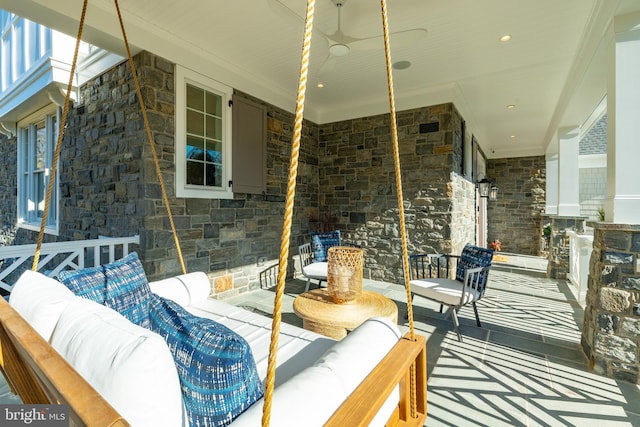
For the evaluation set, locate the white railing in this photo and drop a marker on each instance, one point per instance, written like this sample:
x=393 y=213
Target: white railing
x=580 y=248
x=55 y=257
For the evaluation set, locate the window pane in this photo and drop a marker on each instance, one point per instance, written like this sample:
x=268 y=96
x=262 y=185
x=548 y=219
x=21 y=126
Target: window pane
x=195 y=122
x=39 y=183
x=196 y=161
x=195 y=172
x=195 y=98
x=214 y=127
x=24 y=144
x=41 y=146
x=214 y=175
x=214 y=150
x=214 y=104
x=195 y=147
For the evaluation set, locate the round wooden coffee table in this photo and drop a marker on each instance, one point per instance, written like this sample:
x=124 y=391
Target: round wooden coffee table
x=320 y=314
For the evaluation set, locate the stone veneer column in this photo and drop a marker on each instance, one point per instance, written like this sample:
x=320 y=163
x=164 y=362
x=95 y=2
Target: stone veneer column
x=611 y=331
x=558 y=265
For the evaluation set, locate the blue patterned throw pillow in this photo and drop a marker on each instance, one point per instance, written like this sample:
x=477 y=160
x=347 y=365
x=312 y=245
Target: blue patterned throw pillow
x=321 y=242
x=128 y=290
x=89 y=283
x=215 y=365
x=121 y=285
x=473 y=257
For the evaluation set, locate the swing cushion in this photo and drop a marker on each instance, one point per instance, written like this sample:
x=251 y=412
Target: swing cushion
x=121 y=285
x=321 y=242
x=130 y=366
x=215 y=365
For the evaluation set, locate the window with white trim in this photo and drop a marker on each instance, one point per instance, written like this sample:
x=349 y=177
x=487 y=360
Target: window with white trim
x=203 y=136
x=37 y=135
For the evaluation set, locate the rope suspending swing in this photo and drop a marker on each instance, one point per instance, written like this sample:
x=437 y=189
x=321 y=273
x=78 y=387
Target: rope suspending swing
x=288 y=215
x=63 y=121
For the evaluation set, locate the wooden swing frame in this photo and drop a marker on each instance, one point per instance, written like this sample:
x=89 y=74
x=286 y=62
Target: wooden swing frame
x=39 y=375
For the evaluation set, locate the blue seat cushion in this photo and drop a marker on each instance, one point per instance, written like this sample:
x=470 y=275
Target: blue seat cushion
x=217 y=371
x=321 y=242
x=473 y=257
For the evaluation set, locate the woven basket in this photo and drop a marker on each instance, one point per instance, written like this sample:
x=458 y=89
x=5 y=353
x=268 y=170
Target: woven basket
x=344 y=273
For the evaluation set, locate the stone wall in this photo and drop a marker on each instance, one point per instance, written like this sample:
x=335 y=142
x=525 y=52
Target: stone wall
x=463 y=216
x=515 y=218
x=611 y=331
x=110 y=186
x=559 y=244
x=357 y=183
x=8 y=191
x=345 y=181
x=102 y=160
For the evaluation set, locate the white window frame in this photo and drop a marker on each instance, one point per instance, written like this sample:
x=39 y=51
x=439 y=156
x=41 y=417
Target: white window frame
x=26 y=138
x=185 y=76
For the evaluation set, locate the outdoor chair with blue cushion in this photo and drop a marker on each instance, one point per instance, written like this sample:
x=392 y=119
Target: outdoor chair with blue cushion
x=313 y=256
x=309 y=268
x=469 y=285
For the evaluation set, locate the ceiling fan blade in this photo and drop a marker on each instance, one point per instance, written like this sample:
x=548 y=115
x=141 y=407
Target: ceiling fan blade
x=283 y=11
x=398 y=39
x=341 y=38
x=291 y=17
x=327 y=66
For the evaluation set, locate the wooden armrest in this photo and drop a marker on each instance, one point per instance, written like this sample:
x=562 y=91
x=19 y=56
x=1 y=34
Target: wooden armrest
x=39 y=375
x=366 y=400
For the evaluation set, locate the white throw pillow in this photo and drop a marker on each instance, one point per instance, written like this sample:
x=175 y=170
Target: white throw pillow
x=130 y=366
x=185 y=289
x=40 y=300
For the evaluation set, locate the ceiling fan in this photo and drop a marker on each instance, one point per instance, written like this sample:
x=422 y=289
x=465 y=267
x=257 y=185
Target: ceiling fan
x=341 y=44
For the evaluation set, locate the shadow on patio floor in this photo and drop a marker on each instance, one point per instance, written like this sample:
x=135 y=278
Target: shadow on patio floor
x=524 y=367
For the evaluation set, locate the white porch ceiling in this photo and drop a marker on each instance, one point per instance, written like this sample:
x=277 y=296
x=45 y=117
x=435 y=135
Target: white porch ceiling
x=552 y=70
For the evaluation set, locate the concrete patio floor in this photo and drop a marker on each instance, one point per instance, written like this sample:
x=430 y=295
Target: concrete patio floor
x=523 y=367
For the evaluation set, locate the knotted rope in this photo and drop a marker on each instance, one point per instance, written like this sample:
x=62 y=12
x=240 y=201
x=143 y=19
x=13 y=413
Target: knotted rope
x=56 y=153
x=288 y=215
x=396 y=160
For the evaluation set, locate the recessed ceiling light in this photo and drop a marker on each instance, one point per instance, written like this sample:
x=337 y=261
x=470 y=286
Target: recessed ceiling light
x=511 y=106
x=401 y=65
x=505 y=38
x=513 y=136
x=320 y=85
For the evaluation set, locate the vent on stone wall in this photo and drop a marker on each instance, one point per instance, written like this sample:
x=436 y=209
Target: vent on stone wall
x=429 y=127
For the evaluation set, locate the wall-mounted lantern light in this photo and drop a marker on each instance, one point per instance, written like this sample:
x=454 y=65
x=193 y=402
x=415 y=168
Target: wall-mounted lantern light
x=493 y=193
x=484 y=187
